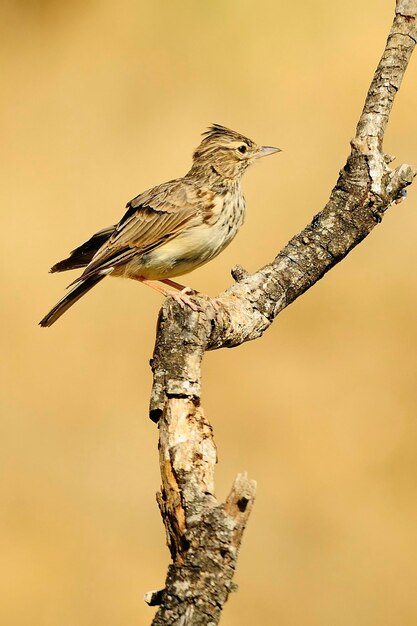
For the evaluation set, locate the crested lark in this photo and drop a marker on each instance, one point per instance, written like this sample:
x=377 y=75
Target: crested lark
x=171 y=229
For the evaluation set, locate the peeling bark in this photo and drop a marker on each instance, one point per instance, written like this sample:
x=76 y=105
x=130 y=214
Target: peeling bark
x=204 y=535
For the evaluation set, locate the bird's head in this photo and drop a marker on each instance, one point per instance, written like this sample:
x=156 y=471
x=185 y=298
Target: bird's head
x=227 y=153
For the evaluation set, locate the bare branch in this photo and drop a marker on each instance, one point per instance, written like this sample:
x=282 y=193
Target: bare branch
x=203 y=535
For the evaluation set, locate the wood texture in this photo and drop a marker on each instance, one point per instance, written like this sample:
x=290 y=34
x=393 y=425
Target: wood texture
x=204 y=535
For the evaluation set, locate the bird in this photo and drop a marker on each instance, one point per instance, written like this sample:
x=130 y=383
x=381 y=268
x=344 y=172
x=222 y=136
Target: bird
x=173 y=228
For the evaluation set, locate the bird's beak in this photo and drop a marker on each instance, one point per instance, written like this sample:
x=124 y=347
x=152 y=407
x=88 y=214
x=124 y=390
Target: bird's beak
x=265 y=151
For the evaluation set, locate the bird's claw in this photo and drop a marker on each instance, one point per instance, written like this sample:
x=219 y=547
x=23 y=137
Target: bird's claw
x=184 y=300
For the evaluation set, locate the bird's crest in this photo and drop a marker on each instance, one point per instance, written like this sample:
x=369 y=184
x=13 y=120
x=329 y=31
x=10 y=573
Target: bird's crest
x=217 y=131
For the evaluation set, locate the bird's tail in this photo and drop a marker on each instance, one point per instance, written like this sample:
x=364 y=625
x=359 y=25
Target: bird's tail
x=79 y=289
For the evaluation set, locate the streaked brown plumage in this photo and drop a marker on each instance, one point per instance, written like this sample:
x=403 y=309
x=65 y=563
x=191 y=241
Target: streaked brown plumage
x=173 y=228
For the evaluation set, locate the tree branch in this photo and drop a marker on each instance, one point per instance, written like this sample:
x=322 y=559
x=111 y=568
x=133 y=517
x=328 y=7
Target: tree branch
x=204 y=535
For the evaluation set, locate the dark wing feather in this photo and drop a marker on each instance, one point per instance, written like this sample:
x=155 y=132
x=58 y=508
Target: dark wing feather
x=81 y=256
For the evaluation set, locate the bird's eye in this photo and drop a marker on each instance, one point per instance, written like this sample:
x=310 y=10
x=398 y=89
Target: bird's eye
x=242 y=149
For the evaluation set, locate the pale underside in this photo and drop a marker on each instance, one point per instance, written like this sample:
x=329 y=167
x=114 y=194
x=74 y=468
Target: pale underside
x=194 y=247
x=175 y=234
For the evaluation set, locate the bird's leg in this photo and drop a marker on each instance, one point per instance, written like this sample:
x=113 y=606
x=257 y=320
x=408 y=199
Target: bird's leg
x=178 y=286
x=154 y=285
x=189 y=291
x=181 y=297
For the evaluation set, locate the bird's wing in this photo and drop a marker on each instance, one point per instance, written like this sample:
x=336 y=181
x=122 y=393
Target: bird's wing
x=152 y=218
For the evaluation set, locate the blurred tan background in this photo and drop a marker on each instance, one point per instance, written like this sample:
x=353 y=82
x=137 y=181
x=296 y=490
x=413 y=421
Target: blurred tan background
x=101 y=100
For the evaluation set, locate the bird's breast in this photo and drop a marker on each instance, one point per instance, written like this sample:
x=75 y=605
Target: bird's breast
x=199 y=242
